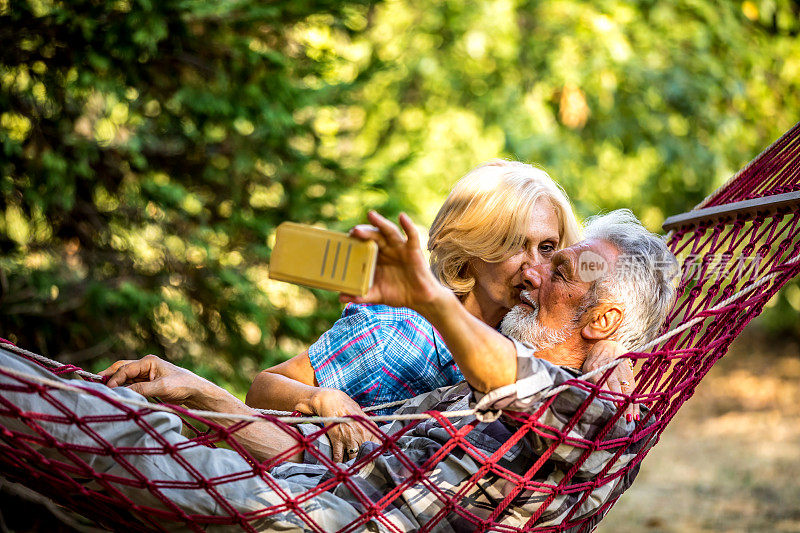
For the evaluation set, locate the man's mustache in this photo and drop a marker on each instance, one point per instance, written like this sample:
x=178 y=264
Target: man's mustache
x=526 y=298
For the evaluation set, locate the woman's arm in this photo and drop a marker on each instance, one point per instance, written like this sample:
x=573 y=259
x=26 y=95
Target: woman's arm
x=284 y=386
x=292 y=386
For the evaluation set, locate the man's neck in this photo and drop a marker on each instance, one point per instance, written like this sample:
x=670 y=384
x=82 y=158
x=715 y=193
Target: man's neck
x=564 y=355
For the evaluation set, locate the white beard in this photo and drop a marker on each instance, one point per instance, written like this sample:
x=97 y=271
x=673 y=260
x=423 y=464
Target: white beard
x=522 y=324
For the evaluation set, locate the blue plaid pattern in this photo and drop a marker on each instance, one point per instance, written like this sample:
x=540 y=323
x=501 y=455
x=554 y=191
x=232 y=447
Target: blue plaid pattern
x=378 y=354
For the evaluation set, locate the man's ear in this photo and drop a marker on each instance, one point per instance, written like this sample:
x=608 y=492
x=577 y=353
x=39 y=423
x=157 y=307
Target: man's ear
x=605 y=320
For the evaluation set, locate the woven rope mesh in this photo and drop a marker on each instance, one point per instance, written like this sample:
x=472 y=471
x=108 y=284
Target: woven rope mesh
x=107 y=458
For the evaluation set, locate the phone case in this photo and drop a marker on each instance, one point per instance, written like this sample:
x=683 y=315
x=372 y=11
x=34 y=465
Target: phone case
x=324 y=259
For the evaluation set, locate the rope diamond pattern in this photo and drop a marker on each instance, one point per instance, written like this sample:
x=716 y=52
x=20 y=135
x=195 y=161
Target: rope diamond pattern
x=733 y=263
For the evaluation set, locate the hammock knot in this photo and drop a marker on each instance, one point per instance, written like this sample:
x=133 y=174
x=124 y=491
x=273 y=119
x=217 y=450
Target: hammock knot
x=727 y=291
x=66 y=369
x=110 y=451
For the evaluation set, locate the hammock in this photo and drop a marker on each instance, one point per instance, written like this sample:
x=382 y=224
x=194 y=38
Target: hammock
x=737 y=249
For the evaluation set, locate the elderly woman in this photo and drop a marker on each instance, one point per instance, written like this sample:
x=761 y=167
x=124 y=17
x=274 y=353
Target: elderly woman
x=499 y=219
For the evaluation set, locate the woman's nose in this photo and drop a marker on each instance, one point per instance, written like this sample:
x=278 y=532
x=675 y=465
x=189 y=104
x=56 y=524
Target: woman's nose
x=532 y=278
x=532 y=258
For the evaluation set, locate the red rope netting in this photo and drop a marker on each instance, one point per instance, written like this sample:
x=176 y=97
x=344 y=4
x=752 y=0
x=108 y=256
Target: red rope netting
x=733 y=263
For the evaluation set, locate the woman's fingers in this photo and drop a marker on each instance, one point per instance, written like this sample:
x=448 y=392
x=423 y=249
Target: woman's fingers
x=386 y=232
x=599 y=355
x=622 y=381
x=627 y=379
x=353 y=440
x=365 y=232
x=618 y=384
x=346 y=439
x=337 y=445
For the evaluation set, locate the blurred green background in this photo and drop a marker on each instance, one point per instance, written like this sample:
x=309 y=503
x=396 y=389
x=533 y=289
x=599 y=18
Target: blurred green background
x=148 y=149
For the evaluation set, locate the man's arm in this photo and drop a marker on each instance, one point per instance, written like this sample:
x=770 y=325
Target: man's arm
x=403 y=279
x=154 y=377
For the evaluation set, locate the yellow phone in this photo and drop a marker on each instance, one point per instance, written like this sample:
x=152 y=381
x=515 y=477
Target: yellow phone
x=324 y=259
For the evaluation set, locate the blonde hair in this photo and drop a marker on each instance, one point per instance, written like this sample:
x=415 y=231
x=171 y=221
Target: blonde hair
x=487 y=216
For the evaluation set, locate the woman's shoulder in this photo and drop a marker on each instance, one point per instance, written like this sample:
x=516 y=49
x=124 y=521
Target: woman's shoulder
x=383 y=313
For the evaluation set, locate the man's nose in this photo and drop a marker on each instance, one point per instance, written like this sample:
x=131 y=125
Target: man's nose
x=532 y=277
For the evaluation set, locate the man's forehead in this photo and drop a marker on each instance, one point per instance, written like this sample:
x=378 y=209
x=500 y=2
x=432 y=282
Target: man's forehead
x=598 y=246
x=592 y=259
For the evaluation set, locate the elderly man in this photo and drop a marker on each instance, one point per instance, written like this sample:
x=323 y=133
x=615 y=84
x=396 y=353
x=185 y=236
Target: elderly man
x=570 y=305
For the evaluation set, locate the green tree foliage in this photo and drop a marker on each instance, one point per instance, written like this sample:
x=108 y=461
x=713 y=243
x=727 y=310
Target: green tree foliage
x=149 y=149
x=644 y=104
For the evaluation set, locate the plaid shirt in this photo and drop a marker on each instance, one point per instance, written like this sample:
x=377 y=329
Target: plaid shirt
x=378 y=354
x=458 y=476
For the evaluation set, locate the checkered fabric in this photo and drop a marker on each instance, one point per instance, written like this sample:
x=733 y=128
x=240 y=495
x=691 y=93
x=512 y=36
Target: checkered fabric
x=378 y=354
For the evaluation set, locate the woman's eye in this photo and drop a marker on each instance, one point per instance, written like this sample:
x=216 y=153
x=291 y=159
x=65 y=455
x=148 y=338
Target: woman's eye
x=547 y=248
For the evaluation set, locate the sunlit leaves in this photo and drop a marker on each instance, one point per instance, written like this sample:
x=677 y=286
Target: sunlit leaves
x=149 y=149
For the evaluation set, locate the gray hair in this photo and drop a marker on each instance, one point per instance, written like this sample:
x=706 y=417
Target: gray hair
x=641 y=279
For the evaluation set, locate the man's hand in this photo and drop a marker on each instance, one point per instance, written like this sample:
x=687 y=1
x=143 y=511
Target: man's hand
x=621 y=379
x=346 y=438
x=151 y=376
x=402 y=277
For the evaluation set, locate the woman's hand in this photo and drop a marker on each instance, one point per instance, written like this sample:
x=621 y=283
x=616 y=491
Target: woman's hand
x=346 y=438
x=151 y=377
x=402 y=276
x=621 y=379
